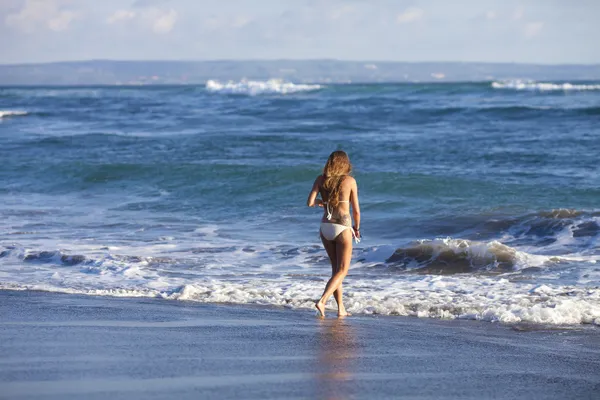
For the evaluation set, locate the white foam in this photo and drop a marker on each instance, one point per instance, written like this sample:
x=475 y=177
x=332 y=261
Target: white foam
x=518 y=84
x=11 y=113
x=63 y=92
x=225 y=270
x=272 y=86
x=459 y=297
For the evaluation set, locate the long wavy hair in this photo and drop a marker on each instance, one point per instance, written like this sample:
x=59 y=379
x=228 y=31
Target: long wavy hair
x=336 y=168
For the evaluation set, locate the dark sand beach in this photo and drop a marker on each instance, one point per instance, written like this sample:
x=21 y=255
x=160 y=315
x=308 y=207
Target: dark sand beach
x=55 y=346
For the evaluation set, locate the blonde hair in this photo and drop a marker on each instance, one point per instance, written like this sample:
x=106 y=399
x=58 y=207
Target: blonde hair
x=336 y=169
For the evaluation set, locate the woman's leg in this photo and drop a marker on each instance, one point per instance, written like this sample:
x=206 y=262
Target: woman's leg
x=344 y=251
x=330 y=247
x=344 y=255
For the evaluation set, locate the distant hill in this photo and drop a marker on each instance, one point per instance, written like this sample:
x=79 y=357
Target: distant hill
x=104 y=72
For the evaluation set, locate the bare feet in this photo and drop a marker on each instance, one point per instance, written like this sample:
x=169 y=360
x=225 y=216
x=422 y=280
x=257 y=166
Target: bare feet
x=321 y=307
x=343 y=313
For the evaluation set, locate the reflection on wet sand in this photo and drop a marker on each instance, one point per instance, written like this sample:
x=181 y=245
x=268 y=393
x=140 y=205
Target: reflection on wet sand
x=337 y=352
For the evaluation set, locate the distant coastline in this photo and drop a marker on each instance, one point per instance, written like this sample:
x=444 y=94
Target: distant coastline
x=107 y=72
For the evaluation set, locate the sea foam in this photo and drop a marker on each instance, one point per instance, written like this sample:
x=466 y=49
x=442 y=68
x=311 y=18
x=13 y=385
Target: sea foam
x=272 y=86
x=518 y=84
x=11 y=113
x=522 y=277
x=458 y=297
x=506 y=298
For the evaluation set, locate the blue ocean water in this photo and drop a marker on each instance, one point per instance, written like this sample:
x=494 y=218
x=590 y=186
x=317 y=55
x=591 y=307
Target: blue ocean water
x=478 y=200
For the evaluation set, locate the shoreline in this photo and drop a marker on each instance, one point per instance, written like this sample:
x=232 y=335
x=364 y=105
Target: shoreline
x=330 y=311
x=70 y=346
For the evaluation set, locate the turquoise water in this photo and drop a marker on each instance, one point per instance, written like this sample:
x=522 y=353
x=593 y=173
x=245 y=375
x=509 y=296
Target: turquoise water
x=165 y=191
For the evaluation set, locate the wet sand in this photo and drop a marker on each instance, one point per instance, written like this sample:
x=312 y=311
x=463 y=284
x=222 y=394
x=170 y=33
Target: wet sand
x=55 y=346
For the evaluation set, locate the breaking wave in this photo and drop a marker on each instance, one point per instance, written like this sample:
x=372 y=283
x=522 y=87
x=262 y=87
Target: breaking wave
x=459 y=297
x=444 y=278
x=272 y=86
x=559 y=231
x=11 y=113
x=518 y=84
x=534 y=268
x=451 y=256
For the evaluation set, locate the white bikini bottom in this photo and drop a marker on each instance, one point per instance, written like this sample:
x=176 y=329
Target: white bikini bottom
x=331 y=231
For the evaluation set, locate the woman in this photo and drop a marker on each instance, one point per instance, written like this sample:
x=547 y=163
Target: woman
x=338 y=191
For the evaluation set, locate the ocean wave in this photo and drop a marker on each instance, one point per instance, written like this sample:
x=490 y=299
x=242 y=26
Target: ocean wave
x=460 y=297
x=94 y=263
x=64 y=92
x=452 y=256
x=272 y=86
x=506 y=111
x=518 y=84
x=549 y=223
x=449 y=278
x=56 y=257
x=562 y=231
x=12 y=113
x=503 y=111
x=560 y=213
x=441 y=278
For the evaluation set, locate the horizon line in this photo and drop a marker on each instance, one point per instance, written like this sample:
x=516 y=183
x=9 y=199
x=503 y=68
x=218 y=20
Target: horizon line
x=366 y=61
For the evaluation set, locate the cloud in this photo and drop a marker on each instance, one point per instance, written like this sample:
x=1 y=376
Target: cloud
x=48 y=14
x=339 y=13
x=240 y=21
x=62 y=21
x=411 y=14
x=533 y=29
x=160 y=21
x=491 y=14
x=121 y=15
x=518 y=14
x=148 y=3
x=214 y=23
x=164 y=23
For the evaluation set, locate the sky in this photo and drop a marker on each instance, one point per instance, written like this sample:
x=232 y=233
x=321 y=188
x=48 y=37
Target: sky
x=526 y=31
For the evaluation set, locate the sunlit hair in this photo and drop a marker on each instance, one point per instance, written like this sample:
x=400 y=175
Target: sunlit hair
x=336 y=168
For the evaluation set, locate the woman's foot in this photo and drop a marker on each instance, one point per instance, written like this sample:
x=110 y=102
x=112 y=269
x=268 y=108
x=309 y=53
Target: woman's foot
x=343 y=313
x=321 y=307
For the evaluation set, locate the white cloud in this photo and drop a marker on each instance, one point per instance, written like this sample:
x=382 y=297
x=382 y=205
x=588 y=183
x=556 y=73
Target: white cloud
x=411 y=14
x=240 y=21
x=491 y=14
x=148 y=3
x=121 y=15
x=49 y=14
x=165 y=22
x=62 y=21
x=214 y=23
x=160 y=21
x=533 y=29
x=341 y=12
x=518 y=14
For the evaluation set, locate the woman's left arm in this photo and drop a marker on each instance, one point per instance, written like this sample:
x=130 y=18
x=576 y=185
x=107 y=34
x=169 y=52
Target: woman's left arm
x=355 y=207
x=312 y=200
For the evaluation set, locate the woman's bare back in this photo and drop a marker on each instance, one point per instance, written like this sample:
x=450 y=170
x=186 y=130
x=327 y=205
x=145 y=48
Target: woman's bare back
x=341 y=212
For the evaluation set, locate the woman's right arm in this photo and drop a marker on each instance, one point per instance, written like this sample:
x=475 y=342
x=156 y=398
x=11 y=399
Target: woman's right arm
x=355 y=207
x=312 y=196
